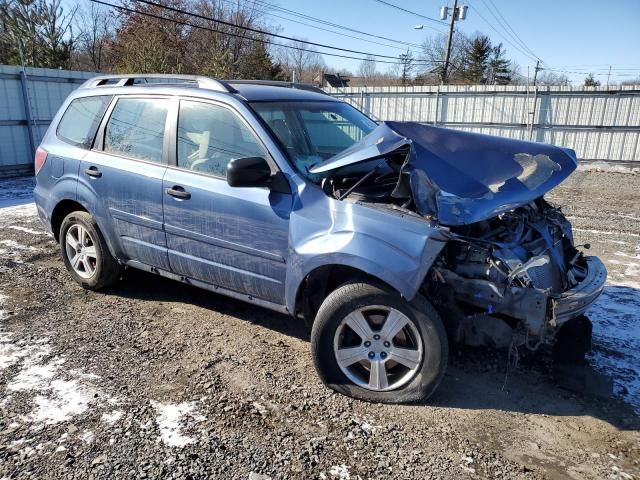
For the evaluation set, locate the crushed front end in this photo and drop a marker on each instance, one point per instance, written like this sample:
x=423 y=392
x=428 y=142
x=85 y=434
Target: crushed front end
x=510 y=273
x=515 y=278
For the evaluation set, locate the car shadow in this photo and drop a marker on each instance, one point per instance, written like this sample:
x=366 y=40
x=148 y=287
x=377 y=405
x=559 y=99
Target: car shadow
x=476 y=379
x=140 y=285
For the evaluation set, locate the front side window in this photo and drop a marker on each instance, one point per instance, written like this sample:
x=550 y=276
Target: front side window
x=314 y=131
x=136 y=128
x=80 y=121
x=210 y=135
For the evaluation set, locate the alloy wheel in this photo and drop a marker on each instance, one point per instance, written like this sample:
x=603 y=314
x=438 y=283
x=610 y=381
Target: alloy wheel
x=81 y=251
x=378 y=348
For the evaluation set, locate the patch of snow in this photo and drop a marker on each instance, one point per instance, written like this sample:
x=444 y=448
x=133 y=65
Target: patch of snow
x=12 y=352
x=3 y=300
x=27 y=230
x=616 y=338
x=169 y=420
x=113 y=417
x=60 y=449
x=12 y=244
x=58 y=396
x=607 y=167
x=340 y=472
x=65 y=400
x=87 y=436
x=605 y=232
x=15 y=213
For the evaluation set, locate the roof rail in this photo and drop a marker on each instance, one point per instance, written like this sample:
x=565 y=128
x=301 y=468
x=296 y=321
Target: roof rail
x=136 y=79
x=277 y=83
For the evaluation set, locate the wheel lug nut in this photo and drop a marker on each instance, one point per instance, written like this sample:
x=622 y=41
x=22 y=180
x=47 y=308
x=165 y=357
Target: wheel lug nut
x=376 y=337
x=383 y=355
x=372 y=354
x=367 y=343
x=387 y=344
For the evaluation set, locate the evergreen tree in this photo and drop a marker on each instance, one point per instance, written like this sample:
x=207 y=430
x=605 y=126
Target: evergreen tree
x=499 y=67
x=476 y=59
x=590 y=81
x=39 y=29
x=406 y=67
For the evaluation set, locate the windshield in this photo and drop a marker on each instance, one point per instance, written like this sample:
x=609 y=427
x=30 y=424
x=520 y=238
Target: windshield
x=314 y=131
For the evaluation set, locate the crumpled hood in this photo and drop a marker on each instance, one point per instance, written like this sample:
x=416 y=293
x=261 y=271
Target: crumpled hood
x=463 y=177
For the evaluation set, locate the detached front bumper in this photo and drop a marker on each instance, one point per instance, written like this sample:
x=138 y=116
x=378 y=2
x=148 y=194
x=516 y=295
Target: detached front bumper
x=576 y=301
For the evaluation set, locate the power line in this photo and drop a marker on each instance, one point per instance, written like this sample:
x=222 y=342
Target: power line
x=262 y=32
x=411 y=12
x=529 y=56
x=600 y=74
x=259 y=40
x=331 y=24
x=266 y=12
x=507 y=27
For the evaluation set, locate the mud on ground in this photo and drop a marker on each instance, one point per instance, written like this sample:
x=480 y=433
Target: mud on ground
x=153 y=379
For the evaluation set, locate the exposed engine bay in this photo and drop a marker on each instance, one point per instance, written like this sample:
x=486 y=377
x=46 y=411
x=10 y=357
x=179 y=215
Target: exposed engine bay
x=499 y=280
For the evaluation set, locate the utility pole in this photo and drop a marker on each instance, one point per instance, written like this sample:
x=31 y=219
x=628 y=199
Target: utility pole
x=608 y=75
x=535 y=73
x=445 y=67
x=457 y=13
x=532 y=114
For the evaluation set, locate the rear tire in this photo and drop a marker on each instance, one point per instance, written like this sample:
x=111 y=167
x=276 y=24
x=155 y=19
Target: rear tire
x=400 y=349
x=85 y=252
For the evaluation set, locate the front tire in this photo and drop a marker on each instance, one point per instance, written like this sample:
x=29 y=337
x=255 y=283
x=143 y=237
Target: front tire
x=85 y=252
x=371 y=344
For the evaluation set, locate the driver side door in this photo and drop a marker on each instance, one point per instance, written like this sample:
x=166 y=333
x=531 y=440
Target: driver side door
x=236 y=238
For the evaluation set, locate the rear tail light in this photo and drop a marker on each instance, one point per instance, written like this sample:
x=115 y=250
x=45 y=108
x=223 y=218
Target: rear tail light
x=41 y=158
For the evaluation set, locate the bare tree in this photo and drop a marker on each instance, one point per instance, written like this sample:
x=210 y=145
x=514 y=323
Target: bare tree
x=434 y=52
x=303 y=61
x=96 y=27
x=367 y=68
x=551 y=78
x=403 y=70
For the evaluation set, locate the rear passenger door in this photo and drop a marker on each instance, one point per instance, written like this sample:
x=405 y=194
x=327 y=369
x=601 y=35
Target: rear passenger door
x=124 y=171
x=236 y=238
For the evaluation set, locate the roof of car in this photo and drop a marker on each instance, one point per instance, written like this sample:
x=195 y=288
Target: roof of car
x=267 y=93
x=249 y=90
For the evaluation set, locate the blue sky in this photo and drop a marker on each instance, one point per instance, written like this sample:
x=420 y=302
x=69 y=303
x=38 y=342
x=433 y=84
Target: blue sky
x=570 y=35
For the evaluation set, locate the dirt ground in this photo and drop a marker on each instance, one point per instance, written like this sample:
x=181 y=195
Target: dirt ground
x=153 y=379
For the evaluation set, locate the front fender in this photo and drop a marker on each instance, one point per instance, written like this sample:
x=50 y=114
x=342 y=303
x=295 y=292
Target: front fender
x=397 y=249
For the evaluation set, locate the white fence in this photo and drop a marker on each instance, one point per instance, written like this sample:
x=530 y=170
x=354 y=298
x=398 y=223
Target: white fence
x=599 y=123
x=28 y=102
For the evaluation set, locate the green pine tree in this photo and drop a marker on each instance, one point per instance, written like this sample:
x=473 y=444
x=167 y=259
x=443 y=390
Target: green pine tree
x=590 y=81
x=499 y=67
x=476 y=59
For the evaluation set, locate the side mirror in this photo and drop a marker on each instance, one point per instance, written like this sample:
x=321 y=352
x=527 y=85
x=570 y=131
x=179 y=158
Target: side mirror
x=248 y=172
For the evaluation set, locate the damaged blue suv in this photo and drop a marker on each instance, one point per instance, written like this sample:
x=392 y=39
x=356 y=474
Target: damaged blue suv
x=391 y=240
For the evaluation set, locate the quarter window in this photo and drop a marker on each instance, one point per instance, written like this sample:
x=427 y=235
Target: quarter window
x=80 y=122
x=209 y=136
x=136 y=128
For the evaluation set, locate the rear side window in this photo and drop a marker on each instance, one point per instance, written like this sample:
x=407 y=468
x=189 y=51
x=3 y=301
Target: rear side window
x=80 y=122
x=136 y=128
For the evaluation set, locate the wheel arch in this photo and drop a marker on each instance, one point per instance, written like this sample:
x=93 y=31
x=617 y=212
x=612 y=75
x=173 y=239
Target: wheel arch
x=60 y=211
x=66 y=206
x=324 y=279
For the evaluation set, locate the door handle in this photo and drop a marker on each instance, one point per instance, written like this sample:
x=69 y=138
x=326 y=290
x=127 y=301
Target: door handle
x=93 y=172
x=178 y=192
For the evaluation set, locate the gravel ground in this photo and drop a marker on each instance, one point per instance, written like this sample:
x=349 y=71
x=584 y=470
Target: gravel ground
x=152 y=379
